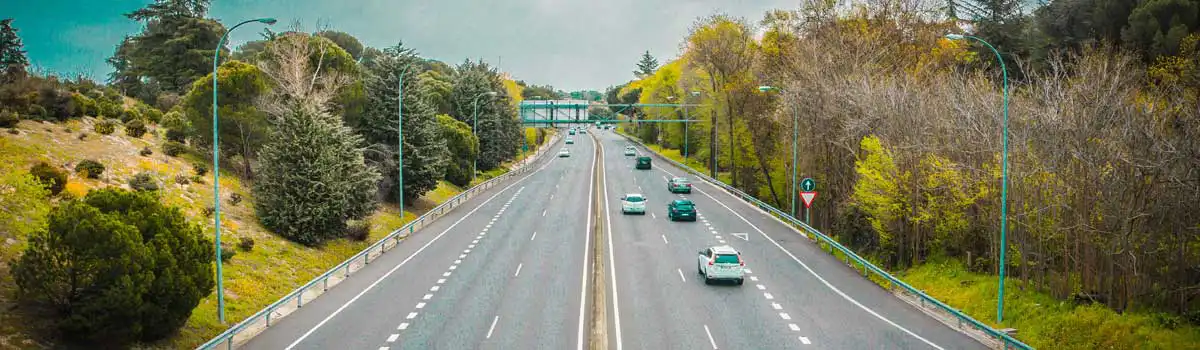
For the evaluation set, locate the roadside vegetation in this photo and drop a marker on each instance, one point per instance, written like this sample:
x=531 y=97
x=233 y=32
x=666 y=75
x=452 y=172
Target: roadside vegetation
x=113 y=156
x=900 y=126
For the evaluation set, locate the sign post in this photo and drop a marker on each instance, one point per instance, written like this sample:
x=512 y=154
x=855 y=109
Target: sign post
x=808 y=193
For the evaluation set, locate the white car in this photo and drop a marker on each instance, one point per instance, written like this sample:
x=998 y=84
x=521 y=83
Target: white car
x=633 y=203
x=564 y=153
x=630 y=151
x=721 y=263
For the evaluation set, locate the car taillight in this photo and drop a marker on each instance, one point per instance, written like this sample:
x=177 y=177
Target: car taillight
x=710 y=261
x=689 y=185
x=741 y=262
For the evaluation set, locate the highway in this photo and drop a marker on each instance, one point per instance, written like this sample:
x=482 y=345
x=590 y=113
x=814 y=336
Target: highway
x=507 y=270
x=794 y=296
x=504 y=271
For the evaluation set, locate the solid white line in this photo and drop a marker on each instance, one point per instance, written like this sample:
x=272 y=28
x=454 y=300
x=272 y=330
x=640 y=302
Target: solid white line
x=489 y=335
x=420 y=305
x=681 y=275
x=405 y=261
x=587 y=243
x=785 y=316
x=793 y=326
x=612 y=265
x=412 y=315
x=392 y=338
x=665 y=239
x=805 y=340
x=710 y=338
x=403 y=326
x=819 y=278
x=534 y=236
x=518 y=270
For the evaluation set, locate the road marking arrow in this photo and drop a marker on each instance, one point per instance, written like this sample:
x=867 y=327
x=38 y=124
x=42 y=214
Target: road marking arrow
x=743 y=236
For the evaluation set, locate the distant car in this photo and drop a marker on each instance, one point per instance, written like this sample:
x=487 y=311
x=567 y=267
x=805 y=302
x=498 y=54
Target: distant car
x=571 y=132
x=564 y=153
x=643 y=162
x=630 y=151
x=583 y=130
x=681 y=209
x=721 y=263
x=570 y=141
x=633 y=203
x=679 y=185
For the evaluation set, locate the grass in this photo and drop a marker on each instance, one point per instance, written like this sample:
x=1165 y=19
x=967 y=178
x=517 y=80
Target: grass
x=1045 y=322
x=1042 y=321
x=253 y=279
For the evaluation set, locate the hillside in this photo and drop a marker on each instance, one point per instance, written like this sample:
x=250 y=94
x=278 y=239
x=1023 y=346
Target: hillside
x=253 y=278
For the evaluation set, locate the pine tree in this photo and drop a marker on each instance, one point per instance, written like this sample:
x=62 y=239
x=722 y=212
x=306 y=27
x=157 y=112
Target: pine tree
x=425 y=153
x=12 y=53
x=498 y=129
x=646 y=66
x=312 y=177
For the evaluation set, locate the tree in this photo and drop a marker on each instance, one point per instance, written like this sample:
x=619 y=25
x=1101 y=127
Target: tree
x=723 y=47
x=1156 y=27
x=498 y=129
x=345 y=41
x=646 y=66
x=463 y=145
x=242 y=127
x=118 y=266
x=53 y=178
x=173 y=50
x=311 y=175
x=12 y=53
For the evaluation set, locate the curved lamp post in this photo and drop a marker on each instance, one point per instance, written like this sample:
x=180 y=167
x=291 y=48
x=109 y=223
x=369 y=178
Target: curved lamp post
x=217 y=167
x=400 y=136
x=1004 y=171
x=475 y=122
x=795 y=136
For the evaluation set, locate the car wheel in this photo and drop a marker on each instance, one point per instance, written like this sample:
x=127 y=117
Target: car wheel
x=699 y=271
x=740 y=280
x=707 y=281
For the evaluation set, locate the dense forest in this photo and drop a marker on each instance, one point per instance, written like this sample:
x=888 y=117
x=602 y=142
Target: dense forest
x=902 y=128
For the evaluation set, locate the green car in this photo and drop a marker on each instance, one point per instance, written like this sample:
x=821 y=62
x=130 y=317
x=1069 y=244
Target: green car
x=643 y=162
x=681 y=209
x=571 y=132
x=679 y=185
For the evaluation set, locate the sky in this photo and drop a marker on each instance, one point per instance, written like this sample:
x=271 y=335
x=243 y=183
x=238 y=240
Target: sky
x=570 y=44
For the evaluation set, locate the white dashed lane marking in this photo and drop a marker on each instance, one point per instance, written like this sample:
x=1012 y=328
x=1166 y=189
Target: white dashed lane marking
x=681 y=275
x=494 y=320
x=392 y=338
x=518 y=270
x=710 y=338
x=785 y=316
x=768 y=296
x=534 y=236
x=776 y=306
x=760 y=287
x=805 y=340
x=411 y=315
x=665 y=239
x=420 y=305
x=403 y=326
x=793 y=326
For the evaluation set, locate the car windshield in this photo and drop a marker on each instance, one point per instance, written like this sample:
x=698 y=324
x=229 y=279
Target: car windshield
x=726 y=259
x=634 y=199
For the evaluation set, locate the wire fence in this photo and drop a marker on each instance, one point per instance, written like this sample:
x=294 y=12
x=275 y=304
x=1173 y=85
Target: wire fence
x=924 y=300
x=263 y=319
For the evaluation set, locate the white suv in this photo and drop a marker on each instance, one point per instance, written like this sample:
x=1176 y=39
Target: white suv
x=721 y=263
x=633 y=203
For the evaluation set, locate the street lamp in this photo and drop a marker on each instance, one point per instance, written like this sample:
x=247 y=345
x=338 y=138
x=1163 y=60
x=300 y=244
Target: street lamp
x=687 y=125
x=1003 y=171
x=217 y=168
x=400 y=142
x=475 y=161
x=795 y=136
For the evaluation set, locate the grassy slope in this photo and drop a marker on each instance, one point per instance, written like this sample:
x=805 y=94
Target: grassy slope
x=1041 y=320
x=253 y=279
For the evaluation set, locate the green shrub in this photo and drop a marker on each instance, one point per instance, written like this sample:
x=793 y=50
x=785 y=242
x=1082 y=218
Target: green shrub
x=200 y=168
x=145 y=152
x=14 y=131
x=85 y=106
x=227 y=253
x=208 y=211
x=147 y=268
x=358 y=230
x=172 y=148
x=235 y=198
x=51 y=177
x=246 y=244
x=143 y=181
x=177 y=126
x=9 y=119
x=135 y=128
x=105 y=126
x=130 y=114
x=153 y=115
x=197 y=179
x=89 y=168
x=111 y=110
x=37 y=112
x=182 y=179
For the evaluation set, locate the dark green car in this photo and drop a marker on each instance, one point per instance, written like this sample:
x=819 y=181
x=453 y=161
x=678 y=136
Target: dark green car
x=681 y=209
x=643 y=162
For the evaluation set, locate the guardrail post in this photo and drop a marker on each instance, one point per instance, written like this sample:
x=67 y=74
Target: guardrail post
x=325 y=288
x=300 y=299
x=268 y=318
x=229 y=344
x=365 y=262
x=347 y=273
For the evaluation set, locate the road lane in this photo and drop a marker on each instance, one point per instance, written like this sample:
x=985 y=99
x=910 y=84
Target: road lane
x=781 y=305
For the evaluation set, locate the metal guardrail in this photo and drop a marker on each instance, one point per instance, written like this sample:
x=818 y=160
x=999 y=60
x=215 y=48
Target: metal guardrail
x=1007 y=340
x=251 y=326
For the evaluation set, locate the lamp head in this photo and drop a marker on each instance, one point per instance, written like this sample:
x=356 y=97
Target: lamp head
x=765 y=88
x=954 y=36
x=268 y=21
x=695 y=93
x=490 y=93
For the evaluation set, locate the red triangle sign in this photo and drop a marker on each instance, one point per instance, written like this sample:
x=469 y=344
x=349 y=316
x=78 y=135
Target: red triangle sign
x=808 y=198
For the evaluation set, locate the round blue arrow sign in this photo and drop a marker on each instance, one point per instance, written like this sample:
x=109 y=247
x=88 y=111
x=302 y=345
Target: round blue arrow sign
x=808 y=185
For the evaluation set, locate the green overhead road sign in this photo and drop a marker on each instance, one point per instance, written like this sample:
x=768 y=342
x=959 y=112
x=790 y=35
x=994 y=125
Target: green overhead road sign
x=808 y=185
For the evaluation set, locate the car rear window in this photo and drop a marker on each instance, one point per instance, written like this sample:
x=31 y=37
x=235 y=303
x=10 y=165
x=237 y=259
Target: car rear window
x=684 y=207
x=634 y=199
x=727 y=259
